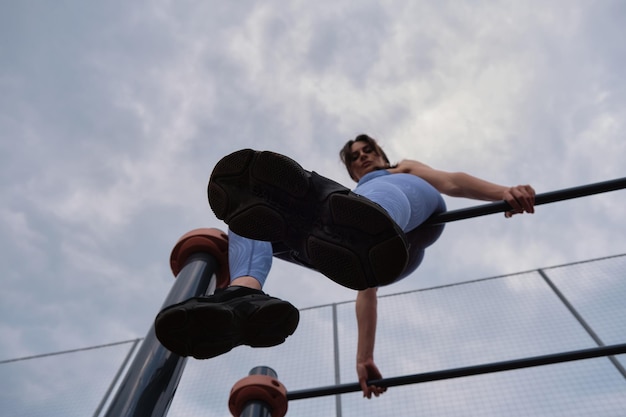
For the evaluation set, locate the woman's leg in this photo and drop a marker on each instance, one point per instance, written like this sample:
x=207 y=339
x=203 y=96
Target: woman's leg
x=270 y=197
x=208 y=326
x=249 y=260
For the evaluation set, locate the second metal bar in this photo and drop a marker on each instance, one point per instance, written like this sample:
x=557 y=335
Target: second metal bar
x=463 y=372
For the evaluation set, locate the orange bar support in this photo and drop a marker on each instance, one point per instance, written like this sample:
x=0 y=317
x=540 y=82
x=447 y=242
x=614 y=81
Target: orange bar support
x=259 y=388
x=203 y=240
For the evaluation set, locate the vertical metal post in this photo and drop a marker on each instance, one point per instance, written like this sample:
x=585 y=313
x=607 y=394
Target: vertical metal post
x=257 y=408
x=581 y=320
x=116 y=378
x=338 y=411
x=152 y=378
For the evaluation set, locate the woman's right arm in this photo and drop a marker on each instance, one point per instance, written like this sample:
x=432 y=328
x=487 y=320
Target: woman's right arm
x=366 y=317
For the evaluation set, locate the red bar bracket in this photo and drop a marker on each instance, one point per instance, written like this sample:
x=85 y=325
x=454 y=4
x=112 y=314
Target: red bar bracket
x=212 y=241
x=258 y=388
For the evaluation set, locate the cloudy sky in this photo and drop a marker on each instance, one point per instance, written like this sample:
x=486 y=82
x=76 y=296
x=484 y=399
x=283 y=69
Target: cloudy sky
x=113 y=114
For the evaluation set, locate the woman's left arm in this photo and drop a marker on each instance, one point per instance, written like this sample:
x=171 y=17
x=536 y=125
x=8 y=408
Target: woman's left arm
x=460 y=184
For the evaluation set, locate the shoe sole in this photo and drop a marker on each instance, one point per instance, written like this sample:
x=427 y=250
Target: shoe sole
x=207 y=330
x=267 y=196
x=248 y=188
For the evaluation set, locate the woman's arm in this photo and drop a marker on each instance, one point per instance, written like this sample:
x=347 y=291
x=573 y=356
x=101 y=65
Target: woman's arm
x=366 y=316
x=460 y=184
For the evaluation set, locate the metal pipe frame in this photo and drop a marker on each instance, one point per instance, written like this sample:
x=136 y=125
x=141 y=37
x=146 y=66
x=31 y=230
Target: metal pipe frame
x=463 y=372
x=151 y=380
x=199 y=263
x=544 y=198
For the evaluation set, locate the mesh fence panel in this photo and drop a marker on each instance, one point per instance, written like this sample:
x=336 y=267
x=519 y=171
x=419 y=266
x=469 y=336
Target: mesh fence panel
x=479 y=322
x=71 y=384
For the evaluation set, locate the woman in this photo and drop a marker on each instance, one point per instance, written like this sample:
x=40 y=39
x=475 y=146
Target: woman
x=357 y=239
x=363 y=157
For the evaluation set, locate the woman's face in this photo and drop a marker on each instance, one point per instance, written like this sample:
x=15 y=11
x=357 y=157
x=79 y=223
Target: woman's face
x=364 y=159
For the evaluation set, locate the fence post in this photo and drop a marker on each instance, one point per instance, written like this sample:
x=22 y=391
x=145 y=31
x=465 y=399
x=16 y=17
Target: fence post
x=199 y=262
x=579 y=318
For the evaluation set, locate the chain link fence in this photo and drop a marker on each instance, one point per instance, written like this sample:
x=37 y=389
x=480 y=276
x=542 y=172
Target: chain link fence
x=547 y=311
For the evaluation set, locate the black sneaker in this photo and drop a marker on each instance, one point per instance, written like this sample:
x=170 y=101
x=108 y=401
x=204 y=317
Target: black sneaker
x=268 y=196
x=205 y=327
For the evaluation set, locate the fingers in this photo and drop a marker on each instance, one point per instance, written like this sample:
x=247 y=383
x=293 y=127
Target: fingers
x=369 y=390
x=365 y=389
x=374 y=390
x=369 y=372
x=521 y=198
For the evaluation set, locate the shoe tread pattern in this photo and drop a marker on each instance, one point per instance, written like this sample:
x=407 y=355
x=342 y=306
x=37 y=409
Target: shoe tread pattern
x=208 y=329
x=251 y=196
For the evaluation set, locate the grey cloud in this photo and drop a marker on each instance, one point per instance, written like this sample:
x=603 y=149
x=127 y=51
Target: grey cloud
x=113 y=115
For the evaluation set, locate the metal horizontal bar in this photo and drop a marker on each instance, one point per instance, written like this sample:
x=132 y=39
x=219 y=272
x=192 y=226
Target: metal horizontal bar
x=544 y=198
x=463 y=372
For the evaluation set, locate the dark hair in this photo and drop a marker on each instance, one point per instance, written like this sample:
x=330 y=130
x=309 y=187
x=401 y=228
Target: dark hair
x=346 y=152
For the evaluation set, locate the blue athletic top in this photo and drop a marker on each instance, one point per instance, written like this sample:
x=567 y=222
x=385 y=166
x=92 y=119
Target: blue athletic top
x=408 y=199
